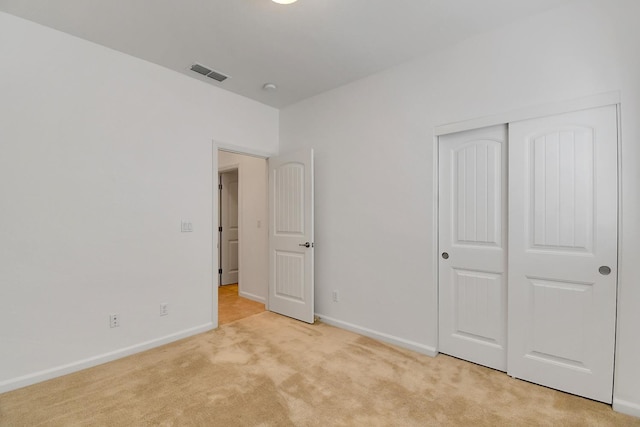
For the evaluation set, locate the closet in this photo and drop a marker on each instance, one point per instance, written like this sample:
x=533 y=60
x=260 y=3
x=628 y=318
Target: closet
x=528 y=226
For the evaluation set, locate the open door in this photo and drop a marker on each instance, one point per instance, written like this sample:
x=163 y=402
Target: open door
x=291 y=235
x=229 y=259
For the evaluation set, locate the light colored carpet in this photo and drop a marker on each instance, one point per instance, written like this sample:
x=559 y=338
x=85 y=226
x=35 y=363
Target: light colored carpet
x=269 y=370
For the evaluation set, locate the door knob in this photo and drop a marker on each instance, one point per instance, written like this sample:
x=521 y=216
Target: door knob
x=306 y=245
x=445 y=255
x=604 y=270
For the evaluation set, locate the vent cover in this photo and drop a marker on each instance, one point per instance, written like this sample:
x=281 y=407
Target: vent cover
x=208 y=72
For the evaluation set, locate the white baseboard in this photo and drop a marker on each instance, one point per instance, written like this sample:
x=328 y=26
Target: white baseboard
x=381 y=336
x=58 y=371
x=253 y=297
x=625 y=407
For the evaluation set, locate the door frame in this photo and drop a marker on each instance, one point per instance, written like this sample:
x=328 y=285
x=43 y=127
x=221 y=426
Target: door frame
x=593 y=101
x=215 y=210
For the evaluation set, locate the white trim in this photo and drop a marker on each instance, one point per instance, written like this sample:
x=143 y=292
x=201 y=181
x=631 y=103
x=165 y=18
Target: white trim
x=253 y=297
x=215 y=237
x=58 y=371
x=626 y=407
x=381 y=336
x=619 y=263
x=436 y=232
x=593 y=101
x=229 y=168
x=242 y=150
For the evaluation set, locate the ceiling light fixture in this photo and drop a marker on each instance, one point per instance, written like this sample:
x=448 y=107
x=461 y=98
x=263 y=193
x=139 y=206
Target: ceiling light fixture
x=284 y=1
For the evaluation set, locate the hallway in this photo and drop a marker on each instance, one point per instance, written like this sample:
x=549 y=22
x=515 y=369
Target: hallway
x=233 y=307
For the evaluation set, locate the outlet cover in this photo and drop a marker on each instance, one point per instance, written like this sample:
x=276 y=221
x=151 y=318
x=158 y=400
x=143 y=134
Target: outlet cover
x=114 y=320
x=164 y=309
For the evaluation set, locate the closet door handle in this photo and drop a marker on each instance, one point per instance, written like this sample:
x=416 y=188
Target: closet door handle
x=445 y=255
x=604 y=270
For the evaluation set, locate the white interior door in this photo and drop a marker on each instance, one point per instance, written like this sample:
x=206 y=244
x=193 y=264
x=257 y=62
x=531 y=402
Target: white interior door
x=563 y=251
x=229 y=256
x=472 y=242
x=291 y=235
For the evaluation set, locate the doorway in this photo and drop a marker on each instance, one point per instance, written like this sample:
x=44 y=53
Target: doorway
x=242 y=236
x=275 y=262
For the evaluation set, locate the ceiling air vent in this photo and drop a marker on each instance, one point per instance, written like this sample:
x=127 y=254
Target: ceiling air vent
x=208 y=72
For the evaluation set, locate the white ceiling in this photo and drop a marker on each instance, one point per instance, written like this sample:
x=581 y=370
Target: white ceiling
x=305 y=48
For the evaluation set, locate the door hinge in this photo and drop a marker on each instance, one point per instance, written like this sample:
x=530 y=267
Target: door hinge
x=220 y=229
x=219 y=271
x=219 y=186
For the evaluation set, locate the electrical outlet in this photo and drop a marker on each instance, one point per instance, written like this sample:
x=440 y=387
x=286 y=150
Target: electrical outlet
x=334 y=296
x=164 y=309
x=114 y=320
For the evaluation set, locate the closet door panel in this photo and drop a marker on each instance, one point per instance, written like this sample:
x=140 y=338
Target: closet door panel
x=472 y=240
x=563 y=251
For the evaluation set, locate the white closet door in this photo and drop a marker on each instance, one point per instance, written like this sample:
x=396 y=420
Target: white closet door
x=472 y=242
x=563 y=251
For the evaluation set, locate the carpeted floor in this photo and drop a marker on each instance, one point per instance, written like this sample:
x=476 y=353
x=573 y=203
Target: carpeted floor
x=269 y=370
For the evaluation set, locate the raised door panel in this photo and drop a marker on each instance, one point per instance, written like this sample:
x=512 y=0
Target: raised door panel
x=289 y=275
x=478 y=308
x=477 y=198
x=289 y=199
x=551 y=302
x=561 y=196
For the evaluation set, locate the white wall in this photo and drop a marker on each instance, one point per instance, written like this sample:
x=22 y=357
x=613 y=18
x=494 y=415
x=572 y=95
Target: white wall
x=374 y=144
x=252 y=212
x=101 y=156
